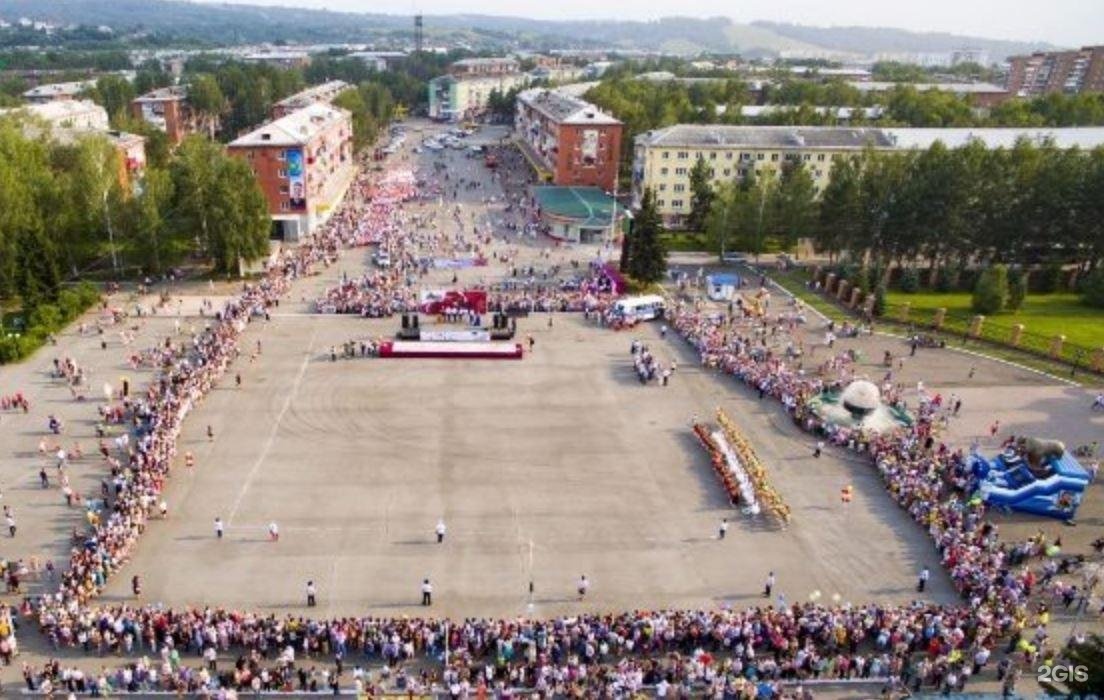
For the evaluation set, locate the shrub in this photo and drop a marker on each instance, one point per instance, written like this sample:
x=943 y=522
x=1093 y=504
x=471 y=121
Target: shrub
x=1050 y=279
x=991 y=290
x=1092 y=288
x=47 y=317
x=944 y=280
x=910 y=280
x=89 y=294
x=1017 y=289
x=69 y=301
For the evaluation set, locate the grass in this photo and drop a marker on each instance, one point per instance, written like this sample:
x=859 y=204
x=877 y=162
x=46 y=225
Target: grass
x=958 y=307
x=684 y=241
x=1042 y=314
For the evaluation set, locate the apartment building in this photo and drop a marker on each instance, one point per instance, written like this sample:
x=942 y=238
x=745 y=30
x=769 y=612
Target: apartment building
x=483 y=67
x=576 y=143
x=304 y=164
x=663 y=158
x=168 y=109
x=453 y=98
x=325 y=93
x=66 y=114
x=1045 y=72
x=52 y=92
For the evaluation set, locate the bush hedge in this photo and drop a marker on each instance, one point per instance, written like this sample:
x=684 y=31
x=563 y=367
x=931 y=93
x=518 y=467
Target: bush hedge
x=46 y=319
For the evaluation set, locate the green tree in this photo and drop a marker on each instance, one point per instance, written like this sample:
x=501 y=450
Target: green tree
x=647 y=257
x=721 y=224
x=1017 y=289
x=206 y=98
x=991 y=291
x=151 y=241
x=838 y=220
x=701 y=195
x=795 y=205
x=114 y=93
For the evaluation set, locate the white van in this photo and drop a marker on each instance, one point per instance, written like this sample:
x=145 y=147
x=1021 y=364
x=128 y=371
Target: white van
x=642 y=308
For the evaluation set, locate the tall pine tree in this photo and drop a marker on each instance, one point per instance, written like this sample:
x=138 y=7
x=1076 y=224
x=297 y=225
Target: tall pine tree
x=701 y=195
x=647 y=256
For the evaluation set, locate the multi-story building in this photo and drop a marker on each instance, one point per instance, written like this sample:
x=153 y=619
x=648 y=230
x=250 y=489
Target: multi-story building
x=303 y=163
x=483 y=67
x=979 y=94
x=325 y=93
x=66 y=114
x=51 y=92
x=1057 y=71
x=279 y=59
x=455 y=98
x=168 y=109
x=574 y=141
x=663 y=159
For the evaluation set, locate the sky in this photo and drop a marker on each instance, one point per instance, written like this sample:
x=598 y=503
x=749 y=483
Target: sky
x=1061 y=22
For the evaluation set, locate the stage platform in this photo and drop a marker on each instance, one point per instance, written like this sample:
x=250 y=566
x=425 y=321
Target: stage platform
x=450 y=350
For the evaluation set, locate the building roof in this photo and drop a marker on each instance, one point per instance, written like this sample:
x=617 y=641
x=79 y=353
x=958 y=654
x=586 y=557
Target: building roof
x=1069 y=137
x=295 y=129
x=59 y=111
x=851 y=138
x=588 y=206
x=53 y=90
x=957 y=88
x=172 y=93
x=565 y=109
x=493 y=61
x=695 y=135
x=318 y=93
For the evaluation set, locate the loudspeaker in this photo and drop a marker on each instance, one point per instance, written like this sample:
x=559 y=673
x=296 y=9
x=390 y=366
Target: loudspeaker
x=414 y=320
x=405 y=322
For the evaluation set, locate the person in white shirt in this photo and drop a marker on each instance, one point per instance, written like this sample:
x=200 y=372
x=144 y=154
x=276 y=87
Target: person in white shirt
x=427 y=592
x=441 y=530
x=218 y=528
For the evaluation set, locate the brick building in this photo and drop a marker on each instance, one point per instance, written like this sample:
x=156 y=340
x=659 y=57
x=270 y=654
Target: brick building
x=168 y=109
x=1046 y=72
x=303 y=163
x=572 y=140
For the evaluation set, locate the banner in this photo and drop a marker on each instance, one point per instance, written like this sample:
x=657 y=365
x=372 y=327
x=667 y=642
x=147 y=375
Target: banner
x=297 y=186
x=456 y=336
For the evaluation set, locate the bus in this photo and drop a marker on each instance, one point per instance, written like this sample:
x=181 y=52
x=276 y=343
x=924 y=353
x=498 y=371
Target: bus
x=642 y=308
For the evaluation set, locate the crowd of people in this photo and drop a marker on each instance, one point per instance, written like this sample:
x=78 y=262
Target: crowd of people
x=726 y=652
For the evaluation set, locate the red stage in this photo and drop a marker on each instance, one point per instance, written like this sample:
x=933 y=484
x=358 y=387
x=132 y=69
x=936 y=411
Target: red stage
x=445 y=350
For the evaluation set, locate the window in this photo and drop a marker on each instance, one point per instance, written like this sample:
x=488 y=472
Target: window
x=683 y=155
x=676 y=203
x=728 y=156
x=680 y=187
x=835 y=157
x=820 y=157
x=663 y=171
x=666 y=154
x=284 y=206
x=713 y=155
x=282 y=172
x=759 y=156
x=680 y=171
x=806 y=157
x=661 y=203
x=662 y=187
x=727 y=172
x=745 y=156
x=712 y=172
x=820 y=173
x=742 y=172
x=283 y=189
x=774 y=157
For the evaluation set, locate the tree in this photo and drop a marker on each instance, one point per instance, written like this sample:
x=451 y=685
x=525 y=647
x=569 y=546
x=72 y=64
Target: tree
x=1092 y=289
x=206 y=98
x=701 y=195
x=38 y=278
x=721 y=224
x=838 y=221
x=1088 y=656
x=991 y=290
x=144 y=225
x=1017 y=289
x=114 y=93
x=647 y=257
x=795 y=206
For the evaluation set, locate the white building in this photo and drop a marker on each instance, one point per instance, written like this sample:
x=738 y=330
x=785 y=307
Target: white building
x=66 y=114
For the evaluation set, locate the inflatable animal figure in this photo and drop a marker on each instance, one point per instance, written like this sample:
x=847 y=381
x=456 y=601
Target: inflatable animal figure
x=1038 y=452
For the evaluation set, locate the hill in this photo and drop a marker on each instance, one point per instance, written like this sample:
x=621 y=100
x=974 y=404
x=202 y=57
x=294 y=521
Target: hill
x=240 y=23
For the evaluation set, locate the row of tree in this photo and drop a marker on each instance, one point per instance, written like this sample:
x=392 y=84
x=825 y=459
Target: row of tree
x=1025 y=205
x=65 y=212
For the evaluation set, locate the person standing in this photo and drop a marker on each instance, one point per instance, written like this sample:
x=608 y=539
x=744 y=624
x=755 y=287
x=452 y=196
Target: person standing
x=723 y=530
x=584 y=586
x=922 y=582
x=273 y=532
x=440 y=530
x=9 y=518
x=311 y=594
x=427 y=593
x=218 y=528
x=768 y=585
x=136 y=585
x=819 y=450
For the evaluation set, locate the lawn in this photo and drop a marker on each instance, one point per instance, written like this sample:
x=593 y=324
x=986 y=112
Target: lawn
x=1042 y=314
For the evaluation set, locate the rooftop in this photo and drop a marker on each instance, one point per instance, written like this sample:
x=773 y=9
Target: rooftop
x=59 y=89
x=564 y=109
x=60 y=110
x=588 y=205
x=295 y=129
x=957 y=88
x=318 y=93
x=1069 y=137
x=475 y=62
x=766 y=136
x=171 y=93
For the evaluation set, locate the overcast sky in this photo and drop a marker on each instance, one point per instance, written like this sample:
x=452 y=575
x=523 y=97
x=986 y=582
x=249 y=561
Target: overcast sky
x=1062 y=22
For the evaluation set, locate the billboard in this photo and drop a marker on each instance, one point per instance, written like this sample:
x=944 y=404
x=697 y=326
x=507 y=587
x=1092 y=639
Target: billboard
x=589 y=148
x=297 y=183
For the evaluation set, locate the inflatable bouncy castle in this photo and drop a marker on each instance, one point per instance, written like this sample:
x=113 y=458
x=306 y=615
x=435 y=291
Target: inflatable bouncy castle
x=1043 y=482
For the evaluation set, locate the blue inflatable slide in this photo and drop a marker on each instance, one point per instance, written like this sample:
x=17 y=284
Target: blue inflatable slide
x=1054 y=490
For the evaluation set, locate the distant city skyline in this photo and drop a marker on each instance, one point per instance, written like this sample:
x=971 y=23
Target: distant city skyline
x=1063 y=22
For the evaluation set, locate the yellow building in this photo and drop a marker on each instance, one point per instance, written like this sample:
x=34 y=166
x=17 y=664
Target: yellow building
x=663 y=158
